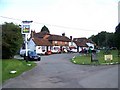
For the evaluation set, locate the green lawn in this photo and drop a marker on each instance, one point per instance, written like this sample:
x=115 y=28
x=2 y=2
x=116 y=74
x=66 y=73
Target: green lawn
x=86 y=59
x=12 y=64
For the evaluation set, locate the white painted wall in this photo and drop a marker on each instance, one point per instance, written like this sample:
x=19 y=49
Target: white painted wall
x=72 y=44
x=90 y=44
x=80 y=49
x=31 y=45
x=39 y=49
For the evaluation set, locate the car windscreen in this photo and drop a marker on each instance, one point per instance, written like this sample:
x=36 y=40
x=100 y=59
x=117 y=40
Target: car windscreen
x=32 y=53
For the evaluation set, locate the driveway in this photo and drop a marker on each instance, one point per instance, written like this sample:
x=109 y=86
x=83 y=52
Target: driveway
x=56 y=71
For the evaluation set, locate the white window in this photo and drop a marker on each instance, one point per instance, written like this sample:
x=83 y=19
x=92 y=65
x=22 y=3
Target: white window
x=39 y=47
x=65 y=42
x=55 y=42
x=43 y=47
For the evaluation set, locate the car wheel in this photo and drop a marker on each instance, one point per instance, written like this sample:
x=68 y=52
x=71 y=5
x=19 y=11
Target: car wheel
x=39 y=59
x=24 y=57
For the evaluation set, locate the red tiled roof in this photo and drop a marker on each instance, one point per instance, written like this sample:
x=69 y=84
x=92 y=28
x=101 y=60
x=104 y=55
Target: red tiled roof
x=58 y=38
x=51 y=37
x=40 y=34
x=41 y=42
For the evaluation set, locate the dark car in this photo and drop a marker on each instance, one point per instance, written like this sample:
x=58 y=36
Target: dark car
x=33 y=56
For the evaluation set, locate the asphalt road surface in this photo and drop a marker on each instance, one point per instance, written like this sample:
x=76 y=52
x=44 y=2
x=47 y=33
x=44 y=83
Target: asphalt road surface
x=56 y=71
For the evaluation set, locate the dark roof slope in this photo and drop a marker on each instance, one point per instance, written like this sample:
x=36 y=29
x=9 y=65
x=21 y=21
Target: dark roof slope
x=40 y=34
x=81 y=44
x=82 y=41
x=41 y=42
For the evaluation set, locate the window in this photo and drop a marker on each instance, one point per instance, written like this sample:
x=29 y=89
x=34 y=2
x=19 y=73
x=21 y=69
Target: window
x=43 y=47
x=38 y=47
x=55 y=42
x=65 y=42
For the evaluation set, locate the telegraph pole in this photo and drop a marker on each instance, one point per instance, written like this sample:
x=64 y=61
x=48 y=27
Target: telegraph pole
x=118 y=12
x=26 y=30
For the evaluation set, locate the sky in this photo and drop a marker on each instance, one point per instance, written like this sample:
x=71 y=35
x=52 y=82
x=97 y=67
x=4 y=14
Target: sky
x=77 y=18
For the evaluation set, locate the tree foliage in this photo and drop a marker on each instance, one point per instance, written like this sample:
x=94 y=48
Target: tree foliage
x=104 y=39
x=45 y=29
x=117 y=36
x=11 y=40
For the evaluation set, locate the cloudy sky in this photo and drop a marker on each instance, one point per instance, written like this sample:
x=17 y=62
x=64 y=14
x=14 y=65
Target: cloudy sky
x=77 y=18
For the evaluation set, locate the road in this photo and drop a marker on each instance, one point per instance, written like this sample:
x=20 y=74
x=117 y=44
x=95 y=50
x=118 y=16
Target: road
x=56 y=71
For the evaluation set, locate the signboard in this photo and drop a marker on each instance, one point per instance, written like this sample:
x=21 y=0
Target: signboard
x=25 y=29
x=108 y=57
x=118 y=12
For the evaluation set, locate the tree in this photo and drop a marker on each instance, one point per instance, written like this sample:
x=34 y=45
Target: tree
x=111 y=40
x=11 y=40
x=117 y=36
x=45 y=29
x=104 y=39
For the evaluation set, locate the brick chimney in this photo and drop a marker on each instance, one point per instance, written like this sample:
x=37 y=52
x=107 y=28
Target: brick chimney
x=63 y=34
x=32 y=33
x=71 y=38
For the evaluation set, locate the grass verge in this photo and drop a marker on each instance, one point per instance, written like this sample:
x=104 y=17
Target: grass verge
x=17 y=65
x=86 y=59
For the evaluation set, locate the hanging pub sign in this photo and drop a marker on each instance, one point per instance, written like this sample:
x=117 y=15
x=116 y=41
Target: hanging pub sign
x=26 y=27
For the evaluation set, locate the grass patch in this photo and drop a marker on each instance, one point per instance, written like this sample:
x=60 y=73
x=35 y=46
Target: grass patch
x=86 y=59
x=13 y=64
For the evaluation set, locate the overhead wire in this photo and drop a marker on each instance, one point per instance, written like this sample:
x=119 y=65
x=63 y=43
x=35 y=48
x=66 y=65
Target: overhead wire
x=59 y=26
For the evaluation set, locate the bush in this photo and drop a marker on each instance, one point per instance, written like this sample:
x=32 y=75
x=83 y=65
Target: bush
x=11 y=40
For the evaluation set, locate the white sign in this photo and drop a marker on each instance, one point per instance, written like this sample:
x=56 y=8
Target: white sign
x=118 y=12
x=108 y=57
x=25 y=29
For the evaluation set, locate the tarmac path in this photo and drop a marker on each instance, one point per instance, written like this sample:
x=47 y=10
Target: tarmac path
x=56 y=71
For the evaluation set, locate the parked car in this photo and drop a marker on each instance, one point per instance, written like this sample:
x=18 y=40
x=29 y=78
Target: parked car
x=65 y=50
x=72 y=51
x=48 y=53
x=32 y=55
x=69 y=51
x=22 y=52
x=41 y=52
x=56 y=51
